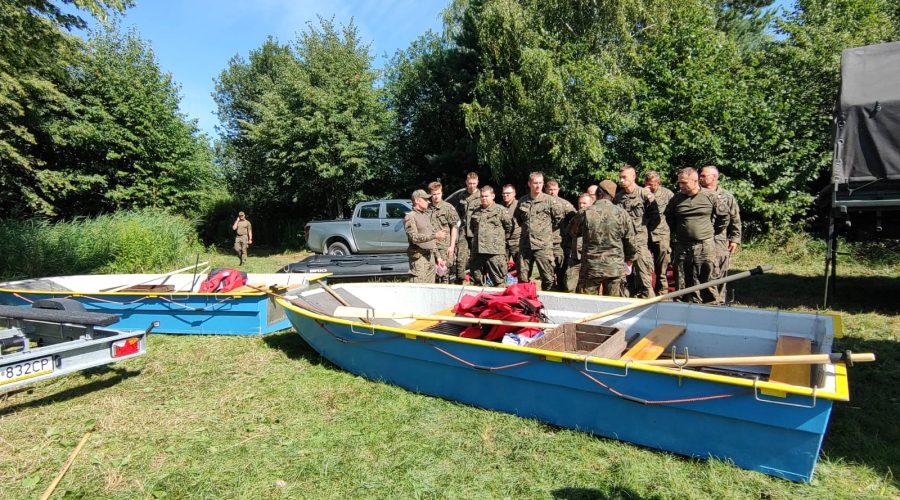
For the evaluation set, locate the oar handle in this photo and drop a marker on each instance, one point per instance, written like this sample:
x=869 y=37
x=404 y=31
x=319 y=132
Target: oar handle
x=799 y=359
x=677 y=293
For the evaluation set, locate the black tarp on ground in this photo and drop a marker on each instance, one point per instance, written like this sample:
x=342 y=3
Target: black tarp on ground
x=867 y=118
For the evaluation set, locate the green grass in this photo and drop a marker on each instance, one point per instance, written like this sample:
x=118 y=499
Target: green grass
x=267 y=417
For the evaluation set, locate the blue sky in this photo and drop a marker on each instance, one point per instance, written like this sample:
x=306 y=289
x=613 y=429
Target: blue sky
x=193 y=39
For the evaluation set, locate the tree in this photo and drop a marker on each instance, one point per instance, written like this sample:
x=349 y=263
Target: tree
x=123 y=143
x=319 y=129
x=35 y=53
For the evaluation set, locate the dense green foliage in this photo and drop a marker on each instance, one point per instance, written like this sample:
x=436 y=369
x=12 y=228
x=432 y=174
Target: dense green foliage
x=125 y=242
x=578 y=88
x=305 y=129
x=90 y=126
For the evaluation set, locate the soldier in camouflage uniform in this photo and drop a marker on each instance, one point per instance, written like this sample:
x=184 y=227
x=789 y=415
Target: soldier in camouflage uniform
x=562 y=244
x=660 y=249
x=422 y=240
x=491 y=225
x=537 y=213
x=640 y=205
x=512 y=242
x=693 y=214
x=608 y=244
x=464 y=208
x=728 y=234
x=575 y=252
x=443 y=216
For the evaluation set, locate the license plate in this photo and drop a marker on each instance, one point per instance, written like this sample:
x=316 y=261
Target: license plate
x=26 y=369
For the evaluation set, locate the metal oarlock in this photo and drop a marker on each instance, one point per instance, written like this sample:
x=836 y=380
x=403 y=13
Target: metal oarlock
x=600 y=372
x=783 y=403
x=687 y=358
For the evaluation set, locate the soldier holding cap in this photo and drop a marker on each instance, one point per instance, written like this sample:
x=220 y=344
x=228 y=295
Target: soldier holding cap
x=423 y=240
x=244 y=237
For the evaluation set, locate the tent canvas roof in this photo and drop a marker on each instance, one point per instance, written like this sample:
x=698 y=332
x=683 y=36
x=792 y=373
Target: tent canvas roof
x=867 y=118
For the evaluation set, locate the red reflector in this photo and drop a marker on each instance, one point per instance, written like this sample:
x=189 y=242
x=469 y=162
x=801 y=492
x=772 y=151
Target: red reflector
x=126 y=347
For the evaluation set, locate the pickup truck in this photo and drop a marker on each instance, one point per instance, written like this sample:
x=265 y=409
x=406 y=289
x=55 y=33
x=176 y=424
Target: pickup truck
x=376 y=227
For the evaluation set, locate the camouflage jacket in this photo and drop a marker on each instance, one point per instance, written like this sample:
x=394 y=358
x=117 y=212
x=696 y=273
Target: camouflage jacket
x=661 y=232
x=443 y=216
x=560 y=235
x=537 y=217
x=607 y=237
x=513 y=239
x=491 y=227
x=419 y=231
x=640 y=205
x=465 y=208
x=730 y=228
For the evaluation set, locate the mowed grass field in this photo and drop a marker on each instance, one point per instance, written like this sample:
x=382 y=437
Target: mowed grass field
x=242 y=417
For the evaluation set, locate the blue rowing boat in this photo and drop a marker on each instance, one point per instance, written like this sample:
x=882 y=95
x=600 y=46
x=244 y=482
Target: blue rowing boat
x=759 y=417
x=171 y=299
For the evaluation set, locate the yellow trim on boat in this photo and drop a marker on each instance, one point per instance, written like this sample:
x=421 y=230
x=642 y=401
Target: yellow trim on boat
x=841 y=392
x=837 y=324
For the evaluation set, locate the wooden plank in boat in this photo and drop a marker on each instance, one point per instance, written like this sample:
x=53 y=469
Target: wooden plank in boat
x=792 y=374
x=421 y=324
x=249 y=288
x=654 y=343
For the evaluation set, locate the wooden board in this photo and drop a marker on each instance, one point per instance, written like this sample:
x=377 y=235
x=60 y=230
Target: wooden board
x=421 y=324
x=260 y=287
x=792 y=374
x=654 y=343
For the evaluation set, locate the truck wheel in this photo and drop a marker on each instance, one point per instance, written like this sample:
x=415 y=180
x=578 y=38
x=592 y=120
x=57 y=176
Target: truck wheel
x=338 y=248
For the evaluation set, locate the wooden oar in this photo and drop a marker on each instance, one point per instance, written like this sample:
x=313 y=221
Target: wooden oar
x=362 y=312
x=798 y=359
x=118 y=288
x=676 y=293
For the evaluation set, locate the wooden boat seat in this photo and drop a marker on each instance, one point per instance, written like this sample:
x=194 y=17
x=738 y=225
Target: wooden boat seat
x=652 y=345
x=422 y=324
x=792 y=374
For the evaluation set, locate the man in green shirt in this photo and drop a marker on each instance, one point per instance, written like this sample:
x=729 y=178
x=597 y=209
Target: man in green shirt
x=443 y=216
x=422 y=240
x=693 y=213
x=640 y=205
x=491 y=224
x=660 y=249
x=728 y=234
x=537 y=213
x=464 y=208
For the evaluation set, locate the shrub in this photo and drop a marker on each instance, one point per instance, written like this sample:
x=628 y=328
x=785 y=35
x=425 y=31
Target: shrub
x=123 y=242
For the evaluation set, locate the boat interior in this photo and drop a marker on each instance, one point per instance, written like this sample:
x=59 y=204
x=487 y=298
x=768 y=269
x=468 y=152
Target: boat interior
x=157 y=283
x=657 y=331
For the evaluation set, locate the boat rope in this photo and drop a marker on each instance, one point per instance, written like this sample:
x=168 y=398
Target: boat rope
x=482 y=367
x=660 y=401
x=348 y=341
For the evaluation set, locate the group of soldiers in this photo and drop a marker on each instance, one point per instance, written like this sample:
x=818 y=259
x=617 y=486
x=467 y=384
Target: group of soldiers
x=613 y=243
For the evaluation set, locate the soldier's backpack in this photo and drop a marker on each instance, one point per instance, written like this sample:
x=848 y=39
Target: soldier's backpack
x=223 y=280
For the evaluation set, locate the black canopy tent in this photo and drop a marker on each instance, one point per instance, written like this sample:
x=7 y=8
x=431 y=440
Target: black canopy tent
x=866 y=165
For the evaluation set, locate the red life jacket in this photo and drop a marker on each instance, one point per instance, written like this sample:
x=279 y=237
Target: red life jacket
x=517 y=302
x=223 y=280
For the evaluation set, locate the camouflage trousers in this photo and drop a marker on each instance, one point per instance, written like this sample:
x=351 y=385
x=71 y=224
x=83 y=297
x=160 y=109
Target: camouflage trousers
x=662 y=255
x=592 y=285
x=421 y=265
x=512 y=251
x=241 y=246
x=573 y=271
x=463 y=256
x=642 y=274
x=693 y=264
x=722 y=263
x=491 y=264
x=543 y=259
x=560 y=267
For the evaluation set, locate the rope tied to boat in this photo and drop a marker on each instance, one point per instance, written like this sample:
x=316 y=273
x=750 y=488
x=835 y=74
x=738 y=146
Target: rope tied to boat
x=482 y=367
x=660 y=401
x=351 y=342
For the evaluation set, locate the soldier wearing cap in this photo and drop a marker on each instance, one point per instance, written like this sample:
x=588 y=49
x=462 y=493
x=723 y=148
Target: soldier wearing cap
x=608 y=240
x=491 y=224
x=640 y=205
x=244 y=237
x=422 y=240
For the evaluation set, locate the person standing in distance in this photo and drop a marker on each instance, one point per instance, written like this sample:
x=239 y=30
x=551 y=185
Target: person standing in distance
x=576 y=251
x=491 y=225
x=537 y=213
x=728 y=233
x=512 y=243
x=244 y=237
x=640 y=205
x=443 y=216
x=422 y=240
x=465 y=208
x=561 y=240
x=660 y=248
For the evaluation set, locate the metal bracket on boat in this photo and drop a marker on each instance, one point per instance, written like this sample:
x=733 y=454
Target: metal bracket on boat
x=370 y=332
x=680 y=364
x=600 y=372
x=797 y=405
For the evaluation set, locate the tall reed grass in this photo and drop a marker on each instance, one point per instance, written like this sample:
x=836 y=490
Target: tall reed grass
x=123 y=242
